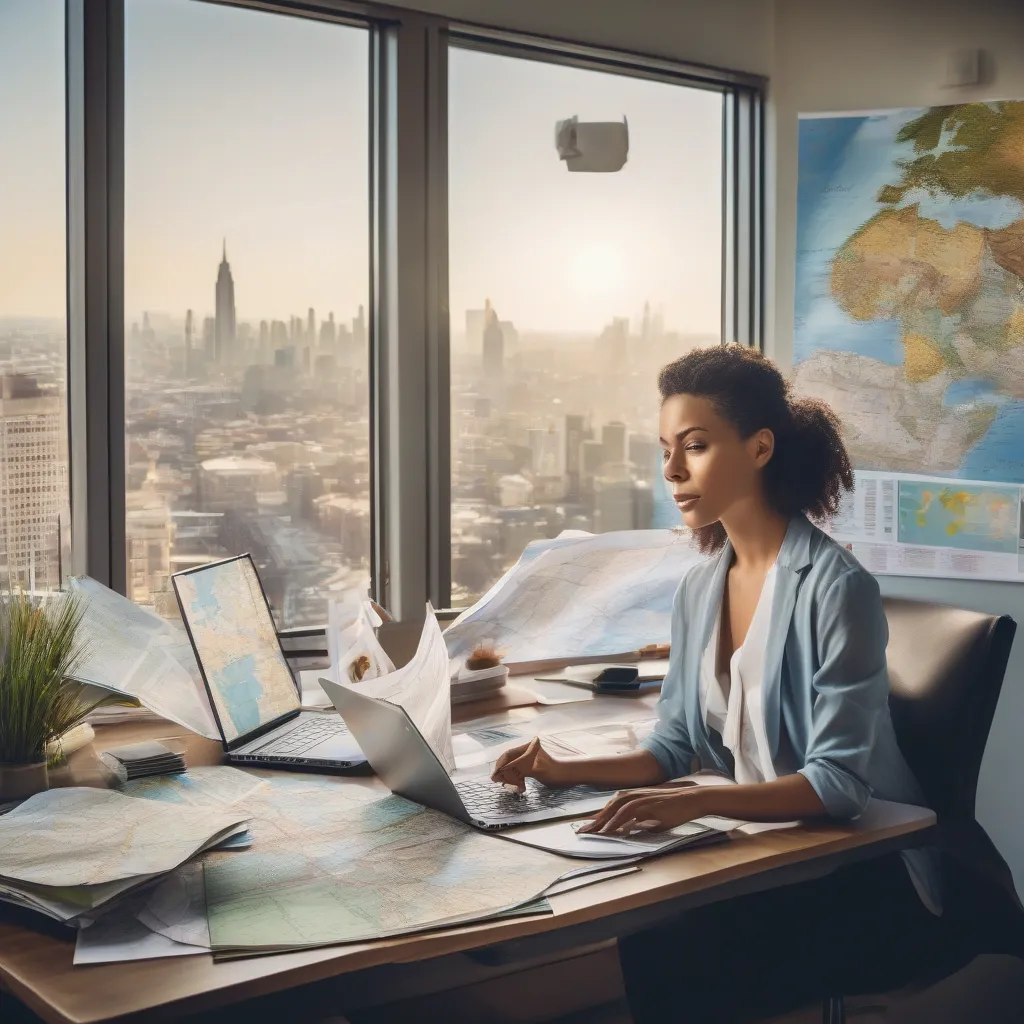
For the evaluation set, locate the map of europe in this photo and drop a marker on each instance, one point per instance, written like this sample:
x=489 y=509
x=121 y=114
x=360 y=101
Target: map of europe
x=909 y=316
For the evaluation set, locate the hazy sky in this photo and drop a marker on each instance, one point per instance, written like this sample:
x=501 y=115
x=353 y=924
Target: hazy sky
x=253 y=127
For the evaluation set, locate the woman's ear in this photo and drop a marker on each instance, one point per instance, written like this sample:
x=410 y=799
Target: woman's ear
x=763 y=446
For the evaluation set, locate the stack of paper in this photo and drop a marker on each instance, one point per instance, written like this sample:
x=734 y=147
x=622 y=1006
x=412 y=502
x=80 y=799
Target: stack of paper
x=68 y=852
x=141 y=760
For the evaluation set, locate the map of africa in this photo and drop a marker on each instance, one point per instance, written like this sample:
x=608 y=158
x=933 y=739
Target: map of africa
x=910 y=286
x=250 y=682
x=909 y=317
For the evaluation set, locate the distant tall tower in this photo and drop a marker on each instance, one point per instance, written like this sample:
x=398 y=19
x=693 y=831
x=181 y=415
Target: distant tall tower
x=224 y=335
x=615 y=440
x=311 y=327
x=328 y=334
x=188 y=343
x=359 y=334
x=494 y=345
x=575 y=435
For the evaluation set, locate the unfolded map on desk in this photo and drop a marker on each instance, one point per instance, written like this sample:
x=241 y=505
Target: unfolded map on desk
x=580 y=596
x=334 y=862
x=135 y=652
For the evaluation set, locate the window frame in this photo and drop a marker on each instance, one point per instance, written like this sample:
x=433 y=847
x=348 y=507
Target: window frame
x=408 y=316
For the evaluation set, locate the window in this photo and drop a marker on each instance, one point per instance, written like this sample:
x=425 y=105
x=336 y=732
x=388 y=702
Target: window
x=33 y=357
x=567 y=292
x=322 y=279
x=246 y=289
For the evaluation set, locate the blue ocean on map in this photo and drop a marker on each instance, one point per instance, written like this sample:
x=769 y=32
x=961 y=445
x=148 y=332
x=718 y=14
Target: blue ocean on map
x=844 y=164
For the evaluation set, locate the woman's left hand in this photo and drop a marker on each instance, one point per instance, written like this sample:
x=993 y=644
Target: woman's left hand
x=649 y=810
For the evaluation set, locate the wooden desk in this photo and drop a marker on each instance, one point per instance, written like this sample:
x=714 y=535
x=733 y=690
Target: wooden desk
x=36 y=965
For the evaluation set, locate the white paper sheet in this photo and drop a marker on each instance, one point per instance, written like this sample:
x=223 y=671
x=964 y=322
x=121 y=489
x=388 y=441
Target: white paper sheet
x=553 y=692
x=423 y=688
x=176 y=908
x=119 y=936
x=135 y=652
x=594 y=596
x=312 y=693
x=355 y=653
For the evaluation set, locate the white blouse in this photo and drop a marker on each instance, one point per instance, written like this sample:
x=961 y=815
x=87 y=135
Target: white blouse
x=730 y=702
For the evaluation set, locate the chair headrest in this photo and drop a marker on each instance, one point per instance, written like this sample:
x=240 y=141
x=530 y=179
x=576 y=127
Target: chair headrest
x=934 y=651
x=946 y=669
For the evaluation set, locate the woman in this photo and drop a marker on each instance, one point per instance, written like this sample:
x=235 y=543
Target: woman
x=777 y=679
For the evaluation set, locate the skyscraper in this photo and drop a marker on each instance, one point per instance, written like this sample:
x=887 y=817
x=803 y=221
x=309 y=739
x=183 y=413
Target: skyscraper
x=476 y=320
x=33 y=482
x=188 y=344
x=359 y=335
x=574 y=438
x=612 y=347
x=614 y=440
x=493 y=346
x=311 y=327
x=328 y=335
x=224 y=335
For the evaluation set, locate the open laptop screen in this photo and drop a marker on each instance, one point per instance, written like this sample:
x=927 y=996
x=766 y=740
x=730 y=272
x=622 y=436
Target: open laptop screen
x=227 y=617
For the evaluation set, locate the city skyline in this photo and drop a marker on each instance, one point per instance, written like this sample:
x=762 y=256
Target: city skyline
x=217 y=146
x=259 y=440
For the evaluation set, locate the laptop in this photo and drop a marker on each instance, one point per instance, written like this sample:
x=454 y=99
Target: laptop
x=255 y=697
x=403 y=759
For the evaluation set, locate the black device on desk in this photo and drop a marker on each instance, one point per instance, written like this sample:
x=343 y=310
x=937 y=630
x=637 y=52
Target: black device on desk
x=611 y=678
x=255 y=697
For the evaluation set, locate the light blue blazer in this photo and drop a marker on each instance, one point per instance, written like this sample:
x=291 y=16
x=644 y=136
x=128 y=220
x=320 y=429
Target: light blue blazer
x=825 y=688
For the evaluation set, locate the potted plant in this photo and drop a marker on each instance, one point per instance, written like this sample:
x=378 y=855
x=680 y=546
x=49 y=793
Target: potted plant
x=39 y=701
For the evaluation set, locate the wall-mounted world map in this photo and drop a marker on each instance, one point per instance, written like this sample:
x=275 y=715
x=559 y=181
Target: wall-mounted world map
x=910 y=324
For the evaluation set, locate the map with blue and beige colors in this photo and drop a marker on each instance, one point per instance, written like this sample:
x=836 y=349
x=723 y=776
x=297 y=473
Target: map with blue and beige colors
x=909 y=317
x=249 y=680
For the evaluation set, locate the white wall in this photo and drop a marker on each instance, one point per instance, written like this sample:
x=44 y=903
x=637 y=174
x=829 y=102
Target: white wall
x=736 y=34
x=835 y=56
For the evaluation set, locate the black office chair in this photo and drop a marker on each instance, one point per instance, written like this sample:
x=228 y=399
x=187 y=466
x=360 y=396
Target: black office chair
x=946 y=668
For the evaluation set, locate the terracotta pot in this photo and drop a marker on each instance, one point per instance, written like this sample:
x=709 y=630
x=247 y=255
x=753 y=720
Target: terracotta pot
x=18 y=781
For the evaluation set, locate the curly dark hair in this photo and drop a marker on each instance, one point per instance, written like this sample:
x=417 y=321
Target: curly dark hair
x=809 y=469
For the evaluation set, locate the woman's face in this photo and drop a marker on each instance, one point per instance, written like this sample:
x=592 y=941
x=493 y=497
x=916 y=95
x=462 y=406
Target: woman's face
x=709 y=467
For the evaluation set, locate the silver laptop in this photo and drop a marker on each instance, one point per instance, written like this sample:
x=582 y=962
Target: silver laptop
x=400 y=755
x=255 y=697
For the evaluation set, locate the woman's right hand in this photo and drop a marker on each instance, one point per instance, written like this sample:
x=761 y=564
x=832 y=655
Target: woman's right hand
x=531 y=761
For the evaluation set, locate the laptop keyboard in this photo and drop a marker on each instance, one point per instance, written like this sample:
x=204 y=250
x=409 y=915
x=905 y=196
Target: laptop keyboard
x=487 y=799
x=314 y=730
